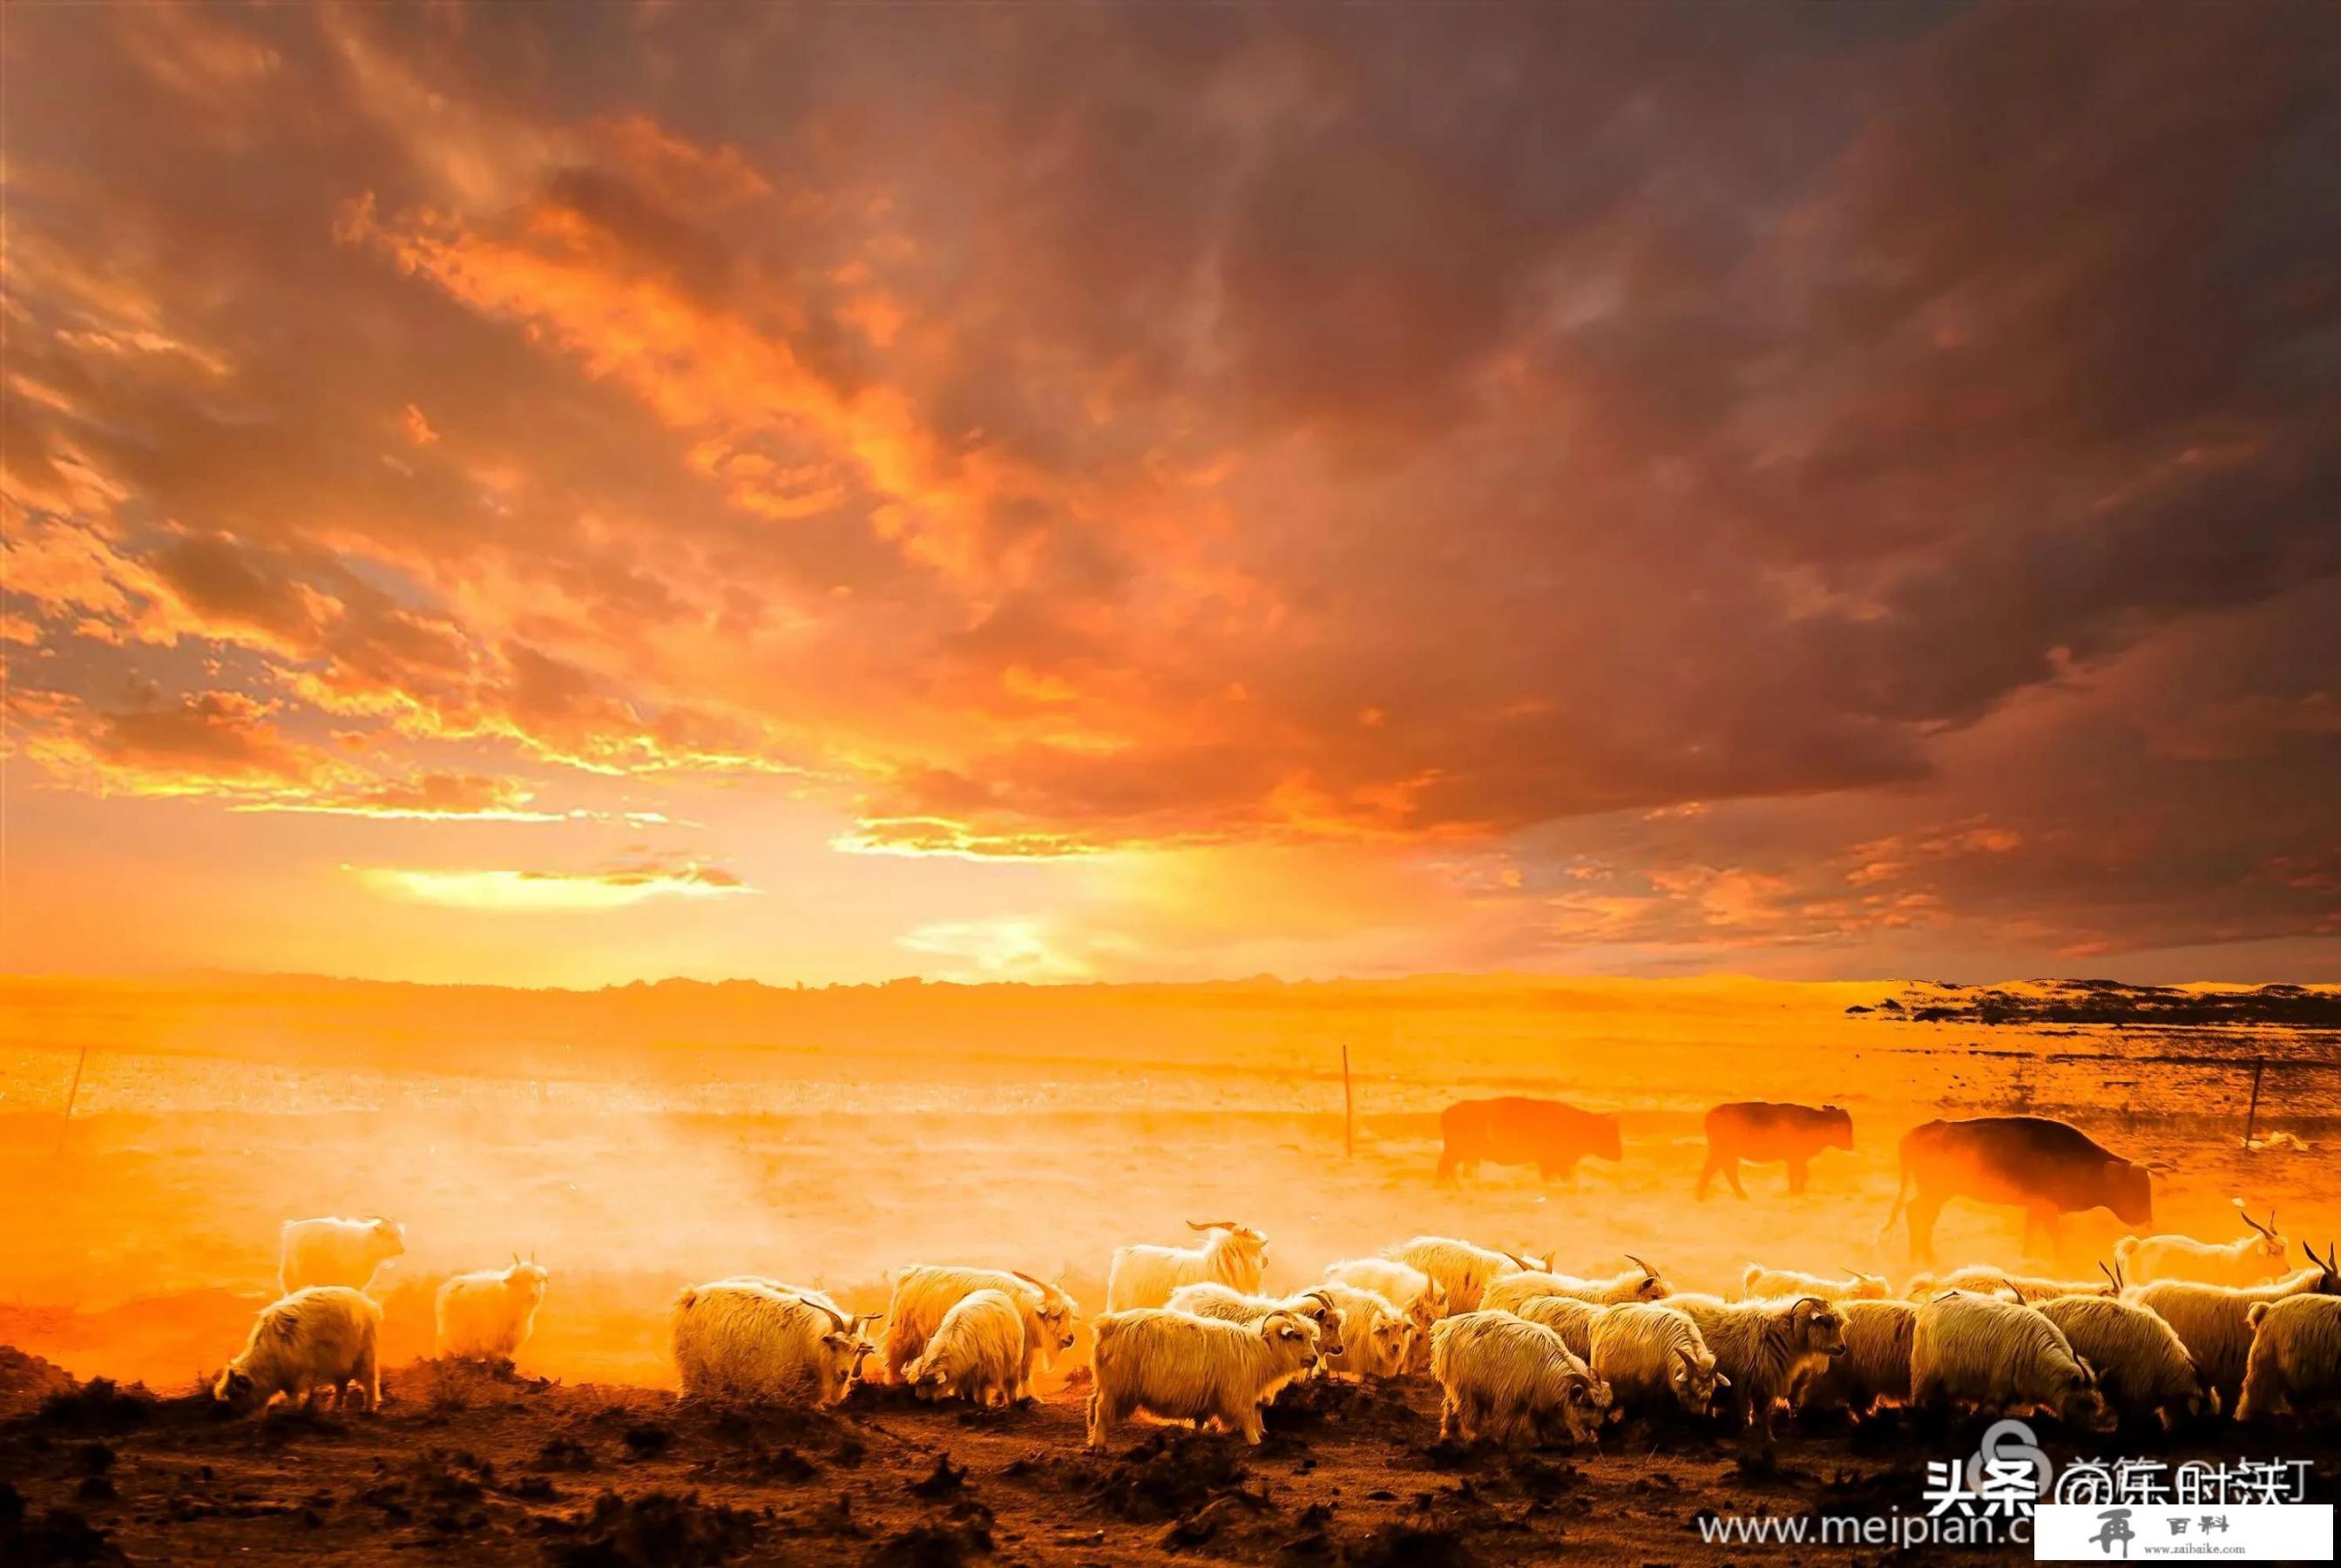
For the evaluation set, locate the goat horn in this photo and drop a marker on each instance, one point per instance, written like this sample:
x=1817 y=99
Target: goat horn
x=1645 y=1267
x=1027 y=1278
x=1213 y=1225
x=1518 y=1261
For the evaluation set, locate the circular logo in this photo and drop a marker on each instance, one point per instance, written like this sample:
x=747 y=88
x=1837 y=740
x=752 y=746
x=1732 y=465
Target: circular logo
x=2007 y=1449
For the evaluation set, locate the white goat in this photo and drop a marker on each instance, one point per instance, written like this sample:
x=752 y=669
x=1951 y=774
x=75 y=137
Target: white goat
x=2142 y=1367
x=1653 y=1359
x=1994 y=1354
x=1315 y=1304
x=976 y=1353
x=1639 y=1283
x=1567 y=1316
x=2214 y=1321
x=2253 y=1259
x=2295 y=1359
x=1983 y=1279
x=738 y=1340
x=1761 y=1284
x=1876 y=1364
x=336 y=1252
x=1768 y=1349
x=1505 y=1378
x=1422 y=1298
x=1144 y=1275
x=323 y=1336
x=1189 y=1368
x=489 y=1316
x=1376 y=1336
x=924 y=1293
x=1461 y=1269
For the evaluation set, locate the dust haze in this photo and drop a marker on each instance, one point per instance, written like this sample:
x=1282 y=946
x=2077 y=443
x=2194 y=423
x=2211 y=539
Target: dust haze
x=637 y=1139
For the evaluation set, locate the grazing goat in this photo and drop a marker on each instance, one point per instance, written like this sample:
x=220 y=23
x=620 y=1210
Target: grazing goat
x=1462 y=1270
x=2214 y=1321
x=2253 y=1259
x=1189 y=1368
x=1639 y=1283
x=1144 y=1275
x=738 y=1340
x=1761 y=1284
x=2296 y=1358
x=1768 y=1349
x=1567 y=1316
x=1507 y=1379
x=976 y=1353
x=1315 y=1304
x=924 y=1293
x=323 y=1336
x=336 y=1252
x=1994 y=1354
x=1876 y=1365
x=1653 y=1359
x=489 y=1316
x=2143 y=1369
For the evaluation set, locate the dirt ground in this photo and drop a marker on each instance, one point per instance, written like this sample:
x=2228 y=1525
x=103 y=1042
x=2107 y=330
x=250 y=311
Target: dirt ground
x=467 y=1466
x=141 y=1238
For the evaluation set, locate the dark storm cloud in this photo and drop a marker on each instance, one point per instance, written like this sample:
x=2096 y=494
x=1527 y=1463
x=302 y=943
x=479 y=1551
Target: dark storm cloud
x=1153 y=425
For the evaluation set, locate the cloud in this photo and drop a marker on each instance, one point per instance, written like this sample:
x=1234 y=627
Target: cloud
x=1033 y=951
x=1577 y=444
x=538 y=892
x=428 y=797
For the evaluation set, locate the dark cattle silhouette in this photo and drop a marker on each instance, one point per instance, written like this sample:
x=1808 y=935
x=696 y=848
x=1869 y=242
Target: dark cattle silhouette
x=2045 y=1166
x=1514 y=1130
x=1764 y=1132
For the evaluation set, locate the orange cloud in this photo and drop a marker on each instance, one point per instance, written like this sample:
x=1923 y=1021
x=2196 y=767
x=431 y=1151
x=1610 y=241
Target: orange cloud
x=1698 y=545
x=551 y=892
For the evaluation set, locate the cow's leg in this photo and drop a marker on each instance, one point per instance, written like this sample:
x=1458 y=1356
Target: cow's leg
x=1799 y=1168
x=1731 y=1175
x=1707 y=1173
x=1447 y=1162
x=1923 y=1211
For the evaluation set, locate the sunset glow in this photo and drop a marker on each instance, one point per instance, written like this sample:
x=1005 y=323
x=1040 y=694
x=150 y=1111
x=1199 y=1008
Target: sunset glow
x=1131 y=494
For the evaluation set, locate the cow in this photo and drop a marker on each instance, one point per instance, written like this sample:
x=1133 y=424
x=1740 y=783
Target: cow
x=1514 y=1130
x=1763 y=1132
x=2046 y=1166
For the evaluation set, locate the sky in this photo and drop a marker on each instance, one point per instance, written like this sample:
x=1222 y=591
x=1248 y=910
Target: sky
x=1053 y=492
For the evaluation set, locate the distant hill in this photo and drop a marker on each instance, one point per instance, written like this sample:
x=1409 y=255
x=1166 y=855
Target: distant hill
x=2118 y=1004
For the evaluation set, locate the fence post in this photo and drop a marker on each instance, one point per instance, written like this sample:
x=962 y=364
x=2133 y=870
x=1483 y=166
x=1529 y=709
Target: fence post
x=1348 y=1110
x=2259 y=1066
x=71 y=1095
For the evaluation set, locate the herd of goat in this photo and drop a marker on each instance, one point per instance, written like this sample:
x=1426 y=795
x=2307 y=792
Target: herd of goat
x=2177 y=1330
